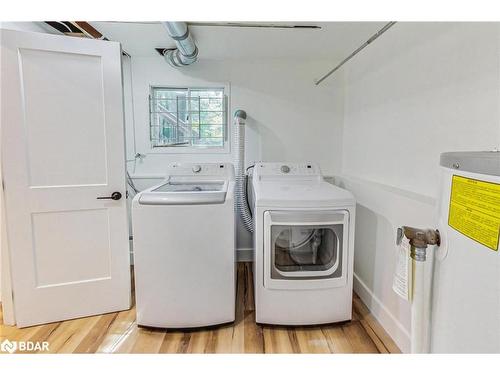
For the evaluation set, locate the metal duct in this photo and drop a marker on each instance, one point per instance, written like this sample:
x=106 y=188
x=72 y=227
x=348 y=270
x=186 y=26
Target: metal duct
x=186 y=52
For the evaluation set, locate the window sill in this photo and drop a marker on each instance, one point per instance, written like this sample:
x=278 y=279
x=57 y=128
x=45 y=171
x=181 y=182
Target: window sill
x=188 y=150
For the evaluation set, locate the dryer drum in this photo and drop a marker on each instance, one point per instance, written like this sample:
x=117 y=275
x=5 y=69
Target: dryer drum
x=302 y=248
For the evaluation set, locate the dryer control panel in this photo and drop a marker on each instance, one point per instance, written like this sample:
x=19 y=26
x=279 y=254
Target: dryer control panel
x=307 y=171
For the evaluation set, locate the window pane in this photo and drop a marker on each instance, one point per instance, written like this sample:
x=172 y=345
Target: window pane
x=211 y=131
x=207 y=93
x=212 y=104
x=168 y=133
x=194 y=115
x=194 y=103
x=167 y=99
x=195 y=118
x=209 y=142
x=184 y=116
x=211 y=118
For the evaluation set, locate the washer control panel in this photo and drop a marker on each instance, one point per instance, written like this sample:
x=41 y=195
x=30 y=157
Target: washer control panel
x=286 y=170
x=222 y=170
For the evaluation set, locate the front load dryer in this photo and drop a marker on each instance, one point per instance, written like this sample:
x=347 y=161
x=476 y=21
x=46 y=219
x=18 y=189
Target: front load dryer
x=184 y=248
x=304 y=244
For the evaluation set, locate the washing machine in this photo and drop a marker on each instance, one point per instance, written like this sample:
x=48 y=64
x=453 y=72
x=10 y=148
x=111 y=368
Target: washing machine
x=304 y=245
x=184 y=248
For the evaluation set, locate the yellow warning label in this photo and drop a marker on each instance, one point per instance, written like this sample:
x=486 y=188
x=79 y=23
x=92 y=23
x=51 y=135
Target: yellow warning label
x=475 y=210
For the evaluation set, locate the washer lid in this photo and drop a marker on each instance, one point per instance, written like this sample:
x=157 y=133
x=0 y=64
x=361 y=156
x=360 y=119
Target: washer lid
x=185 y=192
x=189 y=186
x=301 y=194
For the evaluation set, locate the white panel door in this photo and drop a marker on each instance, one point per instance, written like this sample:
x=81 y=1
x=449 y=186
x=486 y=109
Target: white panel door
x=63 y=147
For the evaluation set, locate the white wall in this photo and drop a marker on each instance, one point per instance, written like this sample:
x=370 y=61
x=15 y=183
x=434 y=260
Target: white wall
x=289 y=118
x=419 y=90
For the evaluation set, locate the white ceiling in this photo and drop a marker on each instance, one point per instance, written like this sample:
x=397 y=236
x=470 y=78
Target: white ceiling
x=335 y=40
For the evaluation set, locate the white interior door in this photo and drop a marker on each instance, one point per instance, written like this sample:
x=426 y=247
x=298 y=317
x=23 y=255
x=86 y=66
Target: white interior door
x=63 y=147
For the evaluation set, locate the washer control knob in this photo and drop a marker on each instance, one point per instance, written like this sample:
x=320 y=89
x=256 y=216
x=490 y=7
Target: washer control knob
x=285 y=168
x=196 y=168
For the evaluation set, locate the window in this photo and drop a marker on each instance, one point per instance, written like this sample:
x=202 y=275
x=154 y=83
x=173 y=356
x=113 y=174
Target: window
x=188 y=117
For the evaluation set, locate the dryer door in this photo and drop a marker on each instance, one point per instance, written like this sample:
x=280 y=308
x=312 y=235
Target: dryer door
x=305 y=250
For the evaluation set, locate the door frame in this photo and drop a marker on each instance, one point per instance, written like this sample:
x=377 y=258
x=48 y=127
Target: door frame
x=6 y=294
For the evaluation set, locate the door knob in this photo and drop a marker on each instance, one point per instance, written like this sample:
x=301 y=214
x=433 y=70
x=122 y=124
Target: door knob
x=114 y=196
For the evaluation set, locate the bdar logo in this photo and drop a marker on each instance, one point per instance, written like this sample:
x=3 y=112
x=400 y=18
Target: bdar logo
x=8 y=346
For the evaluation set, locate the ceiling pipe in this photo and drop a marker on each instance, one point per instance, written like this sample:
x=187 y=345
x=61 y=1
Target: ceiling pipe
x=186 y=52
x=358 y=50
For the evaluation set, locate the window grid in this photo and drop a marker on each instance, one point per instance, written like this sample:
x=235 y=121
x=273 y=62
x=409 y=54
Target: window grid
x=193 y=117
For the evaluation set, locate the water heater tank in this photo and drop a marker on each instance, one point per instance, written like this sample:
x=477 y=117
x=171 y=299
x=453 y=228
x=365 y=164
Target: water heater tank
x=465 y=315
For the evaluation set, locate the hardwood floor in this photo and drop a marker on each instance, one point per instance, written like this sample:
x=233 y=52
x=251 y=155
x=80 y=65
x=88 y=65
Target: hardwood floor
x=118 y=333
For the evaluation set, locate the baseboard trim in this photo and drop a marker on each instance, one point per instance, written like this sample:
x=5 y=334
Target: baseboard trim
x=386 y=319
x=244 y=255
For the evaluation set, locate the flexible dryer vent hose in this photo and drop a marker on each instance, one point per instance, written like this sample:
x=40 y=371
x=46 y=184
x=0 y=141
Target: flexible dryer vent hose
x=241 y=194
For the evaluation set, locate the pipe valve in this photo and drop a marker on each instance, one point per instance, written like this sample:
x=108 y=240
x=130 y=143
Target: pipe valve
x=419 y=240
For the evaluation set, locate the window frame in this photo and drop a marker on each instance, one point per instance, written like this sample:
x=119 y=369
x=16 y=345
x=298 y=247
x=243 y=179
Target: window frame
x=225 y=149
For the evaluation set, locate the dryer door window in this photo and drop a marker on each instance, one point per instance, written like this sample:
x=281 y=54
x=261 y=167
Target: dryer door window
x=304 y=248
x=306 y=245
